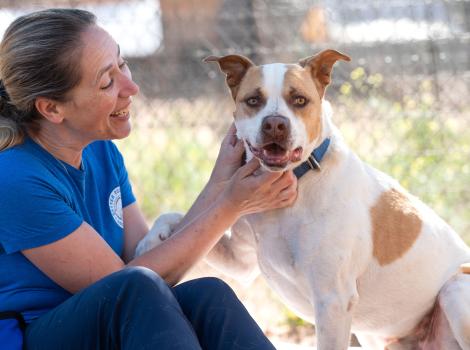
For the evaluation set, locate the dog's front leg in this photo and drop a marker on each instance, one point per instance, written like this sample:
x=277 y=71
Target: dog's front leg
x=162 y=228
x=235 y=253
x=334 y=302
x=333 y=324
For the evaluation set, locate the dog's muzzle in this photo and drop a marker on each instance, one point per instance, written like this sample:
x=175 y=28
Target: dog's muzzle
x=274 y=148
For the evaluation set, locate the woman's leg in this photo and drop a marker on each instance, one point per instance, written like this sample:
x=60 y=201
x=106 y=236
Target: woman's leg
x=131 y=309
x=220 y=320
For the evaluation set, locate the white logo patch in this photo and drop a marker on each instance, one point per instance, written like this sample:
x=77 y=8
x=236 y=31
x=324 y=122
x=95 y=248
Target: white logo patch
x=115 y=206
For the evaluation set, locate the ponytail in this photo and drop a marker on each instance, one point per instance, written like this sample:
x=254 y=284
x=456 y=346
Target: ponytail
x=11 y=132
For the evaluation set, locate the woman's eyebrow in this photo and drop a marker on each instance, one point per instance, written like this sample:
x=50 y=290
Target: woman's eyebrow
x=108 y=67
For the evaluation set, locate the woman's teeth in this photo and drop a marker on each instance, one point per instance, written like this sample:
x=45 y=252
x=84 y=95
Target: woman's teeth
x=120 y=113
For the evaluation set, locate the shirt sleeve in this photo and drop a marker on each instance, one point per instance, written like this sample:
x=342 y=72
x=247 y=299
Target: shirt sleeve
x=127 y=195
x=33 y=213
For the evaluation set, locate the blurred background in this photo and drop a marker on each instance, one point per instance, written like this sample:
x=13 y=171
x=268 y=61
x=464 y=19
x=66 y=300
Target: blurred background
x=402 y=102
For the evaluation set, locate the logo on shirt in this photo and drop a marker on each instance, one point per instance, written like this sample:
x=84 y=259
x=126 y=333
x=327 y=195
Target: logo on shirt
x=115 y=206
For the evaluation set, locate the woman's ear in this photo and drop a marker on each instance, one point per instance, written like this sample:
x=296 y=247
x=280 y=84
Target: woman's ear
x=49 y=109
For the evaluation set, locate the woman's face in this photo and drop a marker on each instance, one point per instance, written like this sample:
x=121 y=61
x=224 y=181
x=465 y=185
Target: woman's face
x=98 y=107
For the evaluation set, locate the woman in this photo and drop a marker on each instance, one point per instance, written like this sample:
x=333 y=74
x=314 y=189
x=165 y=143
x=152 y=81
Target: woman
x=69 y=223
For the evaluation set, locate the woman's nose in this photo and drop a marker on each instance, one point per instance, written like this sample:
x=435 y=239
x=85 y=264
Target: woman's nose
x=129 y=87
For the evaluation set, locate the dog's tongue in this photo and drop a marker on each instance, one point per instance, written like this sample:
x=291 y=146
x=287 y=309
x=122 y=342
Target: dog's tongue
x=280 y=157
x=275 y=157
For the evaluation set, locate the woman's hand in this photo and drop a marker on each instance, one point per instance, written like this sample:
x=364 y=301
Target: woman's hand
x=250 y=192
x=230 y=157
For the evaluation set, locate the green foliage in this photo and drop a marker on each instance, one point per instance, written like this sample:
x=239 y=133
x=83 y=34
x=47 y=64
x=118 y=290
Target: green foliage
x=168 y=168
x=293 y=321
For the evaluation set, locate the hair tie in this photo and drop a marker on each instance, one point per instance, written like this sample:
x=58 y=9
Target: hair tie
x=3 y=91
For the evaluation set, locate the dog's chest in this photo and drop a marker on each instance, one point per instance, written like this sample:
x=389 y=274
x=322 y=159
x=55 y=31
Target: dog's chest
x=283 y=257
x=279 y=241
x=289 y=239
x=277 y=252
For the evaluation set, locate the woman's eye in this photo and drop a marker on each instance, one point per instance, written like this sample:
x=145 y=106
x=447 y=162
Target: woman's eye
x=252 y=101
x=300 y=101
x=109 y=85
x=123 y=64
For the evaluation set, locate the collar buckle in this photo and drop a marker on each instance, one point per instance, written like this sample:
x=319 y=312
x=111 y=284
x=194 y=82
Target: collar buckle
x=313 y=163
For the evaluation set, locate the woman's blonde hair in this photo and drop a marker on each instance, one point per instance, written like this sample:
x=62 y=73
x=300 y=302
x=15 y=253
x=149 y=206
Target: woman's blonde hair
x=39 y=56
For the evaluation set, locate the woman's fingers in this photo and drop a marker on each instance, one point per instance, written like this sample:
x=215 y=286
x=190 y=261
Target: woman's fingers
x=232 y=135
x=251 y=192
x=249 y=168
x=288 y=192
x=233 y=142
x=288 y=196
x=285 y=190
x=286 y=179
x=238 y=147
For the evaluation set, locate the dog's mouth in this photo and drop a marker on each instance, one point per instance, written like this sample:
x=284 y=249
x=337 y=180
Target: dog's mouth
x=276 y=156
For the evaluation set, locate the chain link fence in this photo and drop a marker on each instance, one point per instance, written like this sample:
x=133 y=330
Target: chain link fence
x=402 y=103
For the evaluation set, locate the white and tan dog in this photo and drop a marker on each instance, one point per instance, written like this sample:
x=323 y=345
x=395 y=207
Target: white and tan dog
x=355 y=252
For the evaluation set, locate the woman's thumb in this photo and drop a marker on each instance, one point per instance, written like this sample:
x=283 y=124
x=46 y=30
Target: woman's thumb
x=239 y=147
x=249 y=168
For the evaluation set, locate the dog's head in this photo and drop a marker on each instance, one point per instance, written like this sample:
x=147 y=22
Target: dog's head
x=278 y=106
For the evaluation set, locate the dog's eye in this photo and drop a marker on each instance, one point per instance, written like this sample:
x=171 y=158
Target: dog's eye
x=252 y=101
x=299 y=101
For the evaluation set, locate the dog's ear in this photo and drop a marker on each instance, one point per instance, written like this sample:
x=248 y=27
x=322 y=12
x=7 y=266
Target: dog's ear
x=234 y=67
x=321 y=66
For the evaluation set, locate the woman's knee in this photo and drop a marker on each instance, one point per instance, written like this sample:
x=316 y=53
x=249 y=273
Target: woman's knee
x=213 y=285
x=138 y=282
x=138 y=275
x=206 y=290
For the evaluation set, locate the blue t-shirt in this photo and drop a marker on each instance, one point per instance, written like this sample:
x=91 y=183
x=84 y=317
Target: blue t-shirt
x=42 y=200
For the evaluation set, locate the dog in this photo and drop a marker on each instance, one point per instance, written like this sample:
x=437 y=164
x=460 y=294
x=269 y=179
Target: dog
x=356 y=252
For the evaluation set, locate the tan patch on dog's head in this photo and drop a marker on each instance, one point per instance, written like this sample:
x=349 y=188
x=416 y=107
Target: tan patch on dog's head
x=396 y=225
x=298 y=83
x=251 y=86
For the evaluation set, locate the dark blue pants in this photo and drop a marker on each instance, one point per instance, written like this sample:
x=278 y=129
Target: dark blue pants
x=135 y=309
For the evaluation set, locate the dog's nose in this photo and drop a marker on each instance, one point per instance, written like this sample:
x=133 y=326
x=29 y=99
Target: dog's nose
x=276 y=127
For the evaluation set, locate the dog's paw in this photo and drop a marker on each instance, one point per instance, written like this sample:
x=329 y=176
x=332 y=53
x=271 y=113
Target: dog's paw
x=162 y=229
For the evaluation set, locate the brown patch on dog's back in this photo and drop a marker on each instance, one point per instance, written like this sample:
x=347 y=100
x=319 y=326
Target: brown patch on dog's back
x=298 y=81
x=251 y=84
x=396 y=225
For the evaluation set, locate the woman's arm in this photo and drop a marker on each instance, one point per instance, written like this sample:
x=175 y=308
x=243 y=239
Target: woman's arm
x=228 y=161
x=83 y=257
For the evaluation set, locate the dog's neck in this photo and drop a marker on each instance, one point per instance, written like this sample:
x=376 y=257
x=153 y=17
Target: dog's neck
x=328 y=144
x=313 y=161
